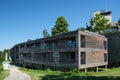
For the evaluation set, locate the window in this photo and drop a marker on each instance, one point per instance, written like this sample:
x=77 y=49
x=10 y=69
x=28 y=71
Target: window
x=105 y=57
x=34 y=46
x=83 y=44
x=53 y=44
x=105 y=45
x=44 y=55
x=72 y=55
x=72 y=43
x=67 y=57
x=83 y=58
x=45 y=44
x=51 y=55
x=21 y=46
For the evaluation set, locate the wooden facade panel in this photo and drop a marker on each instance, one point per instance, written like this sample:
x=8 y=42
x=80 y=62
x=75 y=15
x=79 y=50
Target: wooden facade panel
x=95 y=56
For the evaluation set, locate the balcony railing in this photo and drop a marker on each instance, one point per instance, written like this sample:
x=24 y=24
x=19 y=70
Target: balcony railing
x=38 y=59
x=43 y=60
x=38 y=49
x=61 y=60
x=67 y=61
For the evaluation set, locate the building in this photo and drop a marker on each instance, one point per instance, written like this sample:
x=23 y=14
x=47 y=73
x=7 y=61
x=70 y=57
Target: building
x=72 y=50
x=113 y=48
x=115 y=27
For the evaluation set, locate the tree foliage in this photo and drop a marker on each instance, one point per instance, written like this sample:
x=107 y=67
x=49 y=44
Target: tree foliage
x=61 y=26
x=45 y=33
x=81 y=29
x=99 y=23
x=2 y=56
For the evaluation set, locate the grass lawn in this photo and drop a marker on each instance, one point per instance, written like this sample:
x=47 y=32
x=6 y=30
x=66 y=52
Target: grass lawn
x=111 y=74
x=4 y=74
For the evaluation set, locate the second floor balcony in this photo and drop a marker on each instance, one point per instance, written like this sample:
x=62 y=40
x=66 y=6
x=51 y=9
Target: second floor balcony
x=47 y=49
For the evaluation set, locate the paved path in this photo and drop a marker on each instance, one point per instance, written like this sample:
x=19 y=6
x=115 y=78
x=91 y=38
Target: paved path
x=15 y=74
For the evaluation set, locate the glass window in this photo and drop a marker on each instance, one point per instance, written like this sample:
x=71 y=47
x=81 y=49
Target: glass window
x=83 y=43
x=53 y=44
x=45 y=45
x=105 y=45
x=105 y=57
x=72 y=43
x=83 y=58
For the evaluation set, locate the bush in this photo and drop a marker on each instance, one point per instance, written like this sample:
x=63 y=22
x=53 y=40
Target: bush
x=1 y=68
x=75 y=71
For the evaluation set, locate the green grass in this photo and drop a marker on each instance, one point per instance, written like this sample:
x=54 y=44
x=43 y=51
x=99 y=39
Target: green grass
x=110 y=74
x=38 y=74
x=4 y=74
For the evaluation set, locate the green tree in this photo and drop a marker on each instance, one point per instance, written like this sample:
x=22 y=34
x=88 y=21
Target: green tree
x=45 y=33
x=99 y=23
x=81 y=29
x=2 y=58
x=61 y=26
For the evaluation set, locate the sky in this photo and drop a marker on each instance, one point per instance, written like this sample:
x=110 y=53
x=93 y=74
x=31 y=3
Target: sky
x=21 y=20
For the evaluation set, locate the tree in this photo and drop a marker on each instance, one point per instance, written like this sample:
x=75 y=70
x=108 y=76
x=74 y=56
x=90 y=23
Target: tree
x=99 y=23
x=61 y=26
x=45 y=33
x=81 y=29
x=2 y=58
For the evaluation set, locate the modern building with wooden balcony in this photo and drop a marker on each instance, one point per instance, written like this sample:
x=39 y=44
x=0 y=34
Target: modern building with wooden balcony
x=72 y=50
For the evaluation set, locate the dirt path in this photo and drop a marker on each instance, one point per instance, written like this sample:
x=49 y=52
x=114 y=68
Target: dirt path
x=15 y=74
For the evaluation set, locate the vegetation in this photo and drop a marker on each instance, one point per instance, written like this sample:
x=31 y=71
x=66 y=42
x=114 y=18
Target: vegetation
x=2 y=57
x=111 y=74
x=99 y=23
x=81 y=29
x=45 y=33
x=4 y=74
x=61 y=26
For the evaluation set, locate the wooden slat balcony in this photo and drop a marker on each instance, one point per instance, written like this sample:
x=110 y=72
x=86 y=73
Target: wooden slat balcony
x=43 y=60
x=67 y=61
x=38 y=59
x=46 y=49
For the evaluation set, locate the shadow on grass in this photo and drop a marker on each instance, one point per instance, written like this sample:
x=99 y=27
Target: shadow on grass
x=62 y=77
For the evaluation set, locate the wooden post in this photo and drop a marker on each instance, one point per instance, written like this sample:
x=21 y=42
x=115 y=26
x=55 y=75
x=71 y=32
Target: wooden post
x=97 y=69
x=105 y=67
x=85 y=69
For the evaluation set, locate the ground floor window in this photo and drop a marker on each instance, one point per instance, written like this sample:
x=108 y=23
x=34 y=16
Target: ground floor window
x=105 y=57
x=83 y=58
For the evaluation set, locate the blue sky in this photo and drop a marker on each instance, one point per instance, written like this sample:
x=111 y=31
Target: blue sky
x=21 y=20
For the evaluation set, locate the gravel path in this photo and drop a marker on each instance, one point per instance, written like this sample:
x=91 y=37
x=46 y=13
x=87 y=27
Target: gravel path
x=15 y=74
